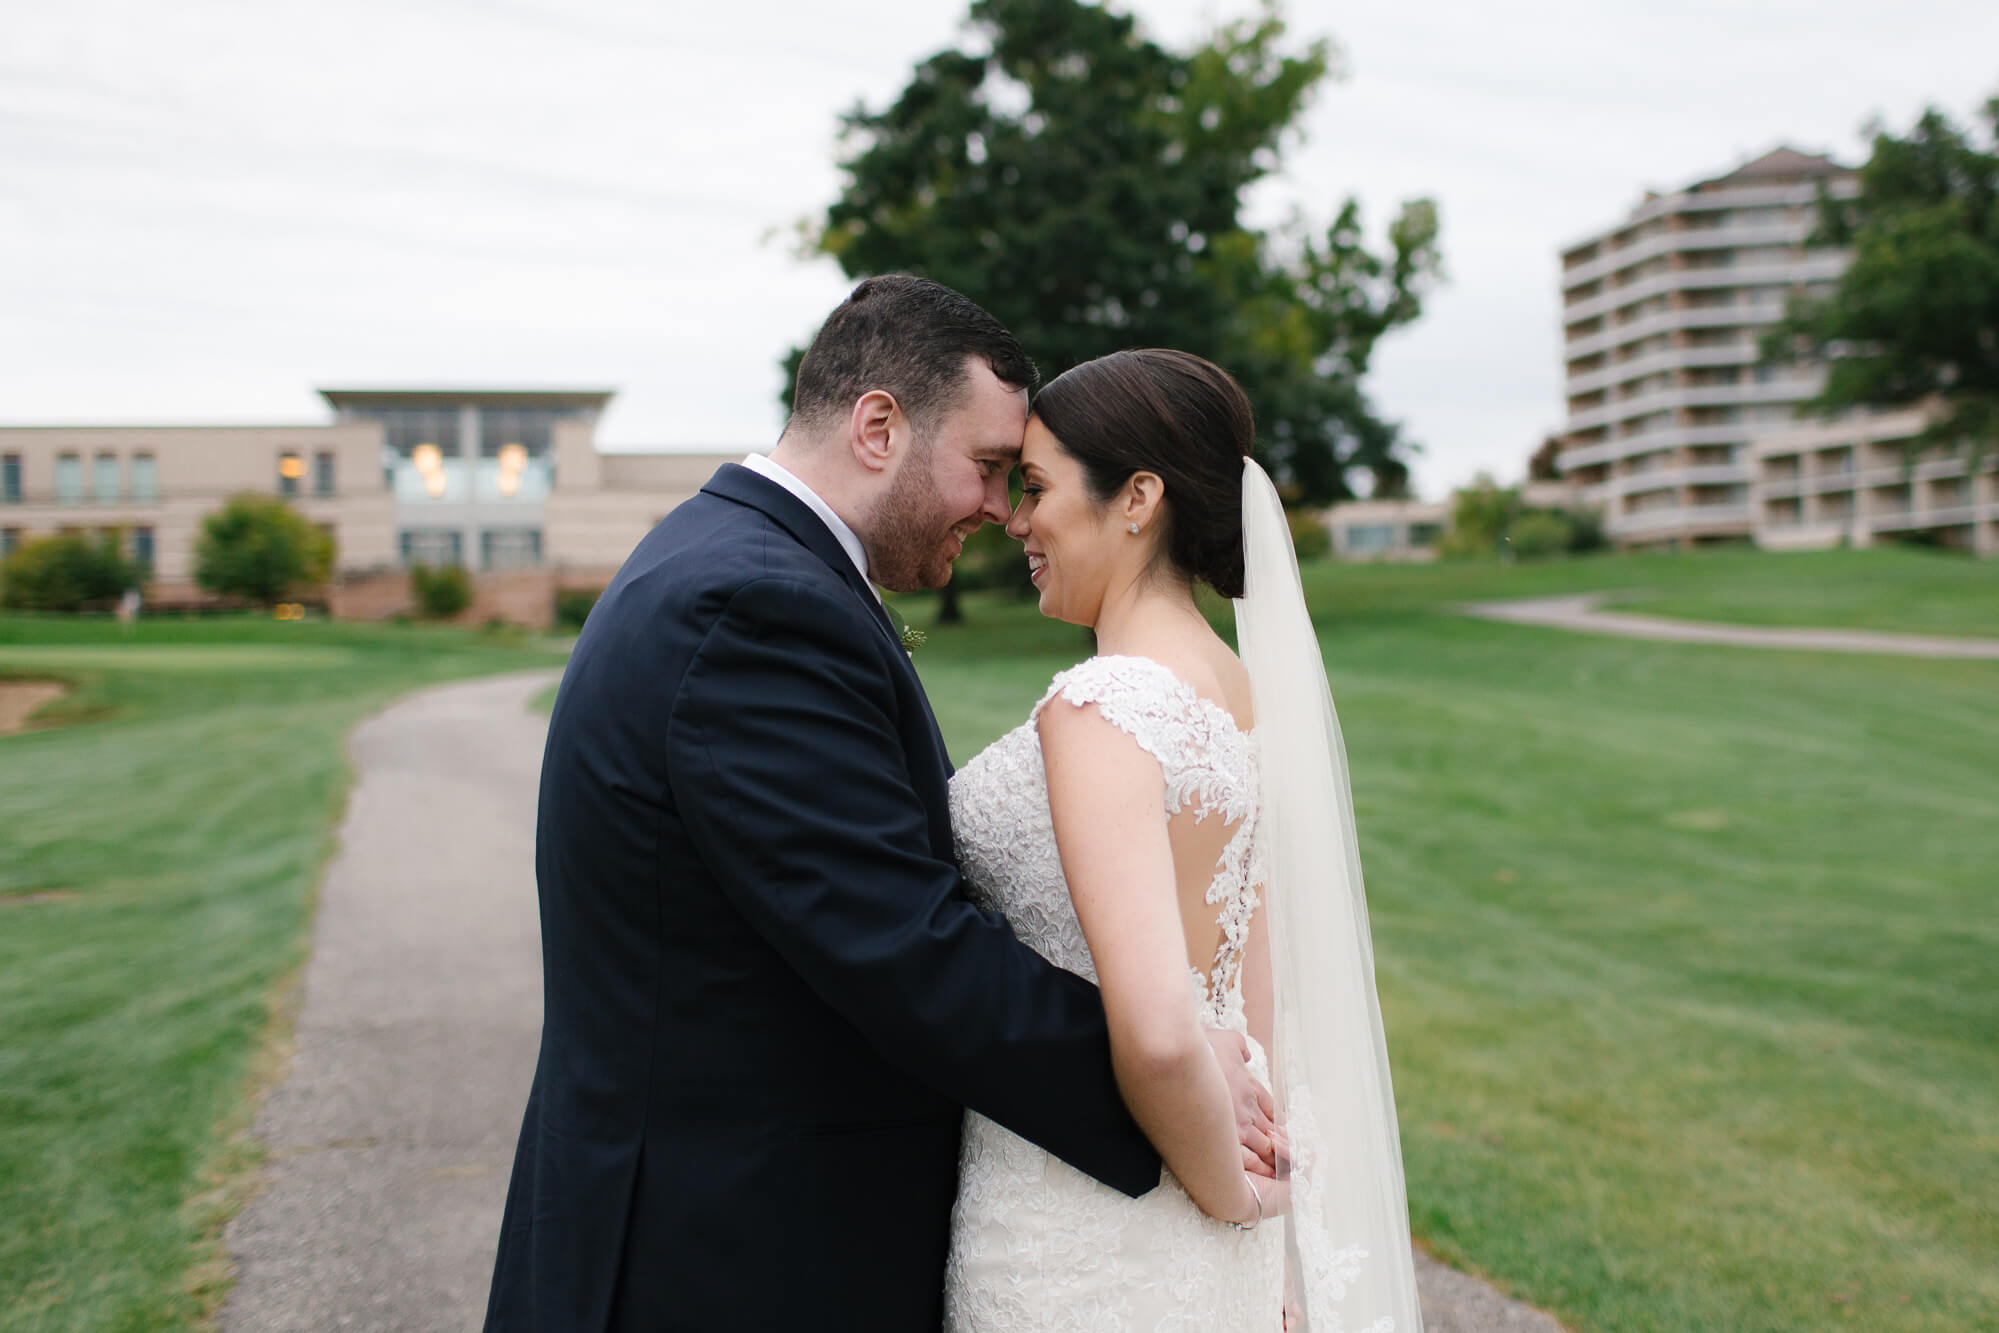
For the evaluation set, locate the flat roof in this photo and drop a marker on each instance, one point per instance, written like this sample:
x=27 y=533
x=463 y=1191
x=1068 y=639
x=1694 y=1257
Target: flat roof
x=444 y=397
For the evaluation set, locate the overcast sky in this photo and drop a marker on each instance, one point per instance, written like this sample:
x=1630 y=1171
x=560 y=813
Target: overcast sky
x=209 y=208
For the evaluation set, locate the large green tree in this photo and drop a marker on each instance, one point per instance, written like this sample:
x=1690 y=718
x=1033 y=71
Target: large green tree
x=258 y=548
x=1915 y=317
x=1085 y=184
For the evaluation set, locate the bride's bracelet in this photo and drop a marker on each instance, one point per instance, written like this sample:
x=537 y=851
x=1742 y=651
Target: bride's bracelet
x=1256 y=1194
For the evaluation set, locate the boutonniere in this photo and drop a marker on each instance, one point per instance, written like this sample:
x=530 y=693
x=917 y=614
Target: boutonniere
x=912 y=638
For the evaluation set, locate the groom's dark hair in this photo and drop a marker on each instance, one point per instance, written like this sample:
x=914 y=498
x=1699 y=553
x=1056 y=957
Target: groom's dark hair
x=908 y=337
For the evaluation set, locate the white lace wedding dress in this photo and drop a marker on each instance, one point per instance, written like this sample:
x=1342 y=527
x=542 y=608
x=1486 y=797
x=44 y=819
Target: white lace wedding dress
x=1036 y=1245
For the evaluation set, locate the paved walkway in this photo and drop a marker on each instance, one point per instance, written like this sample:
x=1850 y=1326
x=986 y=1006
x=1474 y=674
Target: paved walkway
x=392 y=1138
x=1582 y=614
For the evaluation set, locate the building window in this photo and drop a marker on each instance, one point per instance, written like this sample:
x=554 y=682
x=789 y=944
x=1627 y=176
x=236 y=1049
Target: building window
x=1364 y=538
x=510 y=548
x=322 y=473
x=104 y=479
x=10 y=538
x=145 y=478
x=142 y=548
x=291 y=468
x=431 y=546
x=69 y=479
x=10 y=479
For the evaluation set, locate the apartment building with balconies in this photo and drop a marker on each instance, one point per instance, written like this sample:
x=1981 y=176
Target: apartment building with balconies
x=1858 y=479
x=1662 y=315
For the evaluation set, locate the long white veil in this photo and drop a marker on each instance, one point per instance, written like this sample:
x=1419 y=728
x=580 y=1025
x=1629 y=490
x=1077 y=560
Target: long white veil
x=1348 y=1229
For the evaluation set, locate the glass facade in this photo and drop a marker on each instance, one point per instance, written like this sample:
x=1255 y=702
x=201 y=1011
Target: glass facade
x=404 y=428
x=533 y=428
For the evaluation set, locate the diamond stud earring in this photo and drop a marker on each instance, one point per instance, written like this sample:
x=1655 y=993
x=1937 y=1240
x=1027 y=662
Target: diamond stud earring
x=1134 y=529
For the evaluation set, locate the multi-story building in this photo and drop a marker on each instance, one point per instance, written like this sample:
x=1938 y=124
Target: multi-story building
x=1661 y=319
x=508 y=483
x=1854 y=480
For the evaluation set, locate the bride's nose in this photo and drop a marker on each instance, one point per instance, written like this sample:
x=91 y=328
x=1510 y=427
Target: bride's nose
x=1016 y=524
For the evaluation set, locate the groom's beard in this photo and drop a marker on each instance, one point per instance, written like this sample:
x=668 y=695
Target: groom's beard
x=910 y=544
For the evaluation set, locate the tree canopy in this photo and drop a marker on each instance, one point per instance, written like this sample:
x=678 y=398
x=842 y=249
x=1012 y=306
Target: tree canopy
x=1915 y=317
x=1086 y=185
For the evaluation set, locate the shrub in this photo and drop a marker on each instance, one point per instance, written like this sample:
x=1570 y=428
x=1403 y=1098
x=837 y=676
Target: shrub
x=1586 y=531
x=66 y=572
x=1482 y=515
x=441 y=593
x=1308 y=534
x=258 y=547
x=1540 y=532
x=572 y=607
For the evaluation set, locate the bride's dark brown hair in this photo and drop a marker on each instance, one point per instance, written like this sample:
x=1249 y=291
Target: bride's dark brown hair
x=1172 y=413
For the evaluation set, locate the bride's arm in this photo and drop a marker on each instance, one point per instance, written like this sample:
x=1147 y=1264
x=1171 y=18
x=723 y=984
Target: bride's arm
x=1108 y=800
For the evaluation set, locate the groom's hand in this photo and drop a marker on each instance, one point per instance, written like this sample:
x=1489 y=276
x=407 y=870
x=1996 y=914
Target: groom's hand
x=1255 y=1109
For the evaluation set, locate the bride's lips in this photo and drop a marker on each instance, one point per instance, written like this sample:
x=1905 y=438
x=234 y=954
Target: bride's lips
x=1037 y=565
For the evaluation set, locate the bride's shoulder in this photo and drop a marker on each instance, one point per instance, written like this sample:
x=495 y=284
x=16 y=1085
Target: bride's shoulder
x=1107 y=677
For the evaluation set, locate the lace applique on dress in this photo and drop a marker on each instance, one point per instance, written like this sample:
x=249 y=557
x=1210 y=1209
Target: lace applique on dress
x=1036 y=1244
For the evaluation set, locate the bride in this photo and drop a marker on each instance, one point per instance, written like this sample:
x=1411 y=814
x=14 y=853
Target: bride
x=1175 y=824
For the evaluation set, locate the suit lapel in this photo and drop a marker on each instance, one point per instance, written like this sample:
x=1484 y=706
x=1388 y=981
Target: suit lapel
x=738 y=483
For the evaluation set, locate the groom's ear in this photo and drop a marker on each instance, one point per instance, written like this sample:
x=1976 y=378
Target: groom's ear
x=876 y=429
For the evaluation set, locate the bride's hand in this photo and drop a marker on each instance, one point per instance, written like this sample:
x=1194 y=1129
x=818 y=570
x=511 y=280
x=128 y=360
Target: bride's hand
x=1255 y=1109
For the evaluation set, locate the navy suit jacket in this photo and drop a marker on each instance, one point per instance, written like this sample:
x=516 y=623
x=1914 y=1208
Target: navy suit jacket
x=767 y=1000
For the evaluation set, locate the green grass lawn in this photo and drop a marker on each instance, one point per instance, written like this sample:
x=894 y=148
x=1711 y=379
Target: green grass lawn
x=1887 y=588
x=157 y=864
x=1687 y=953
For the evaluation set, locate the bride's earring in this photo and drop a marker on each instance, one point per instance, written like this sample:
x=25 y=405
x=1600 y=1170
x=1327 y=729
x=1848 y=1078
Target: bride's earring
x=1134 y=528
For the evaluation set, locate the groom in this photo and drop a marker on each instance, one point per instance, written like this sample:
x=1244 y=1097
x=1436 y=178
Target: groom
x=767 y=1001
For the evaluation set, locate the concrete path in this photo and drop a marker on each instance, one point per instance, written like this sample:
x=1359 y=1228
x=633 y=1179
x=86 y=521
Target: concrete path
x=392 y=1138
x=1582 y=614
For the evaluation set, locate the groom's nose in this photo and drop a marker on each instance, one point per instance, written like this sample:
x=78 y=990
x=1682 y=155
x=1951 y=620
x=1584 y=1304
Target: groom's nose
x=995 y=508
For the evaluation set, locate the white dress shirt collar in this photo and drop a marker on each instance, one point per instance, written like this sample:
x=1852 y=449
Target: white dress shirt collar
x=785 y=477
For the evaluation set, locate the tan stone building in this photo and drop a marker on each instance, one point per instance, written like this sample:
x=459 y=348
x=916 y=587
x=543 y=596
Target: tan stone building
x=1387 y=529
x=1661 y=318
x=510 y=484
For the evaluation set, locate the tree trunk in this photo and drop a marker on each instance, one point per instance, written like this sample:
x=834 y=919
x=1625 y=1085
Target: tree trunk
x=948 y=612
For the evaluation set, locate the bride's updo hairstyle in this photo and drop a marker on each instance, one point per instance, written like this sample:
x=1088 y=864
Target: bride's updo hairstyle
x=1174 y=414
